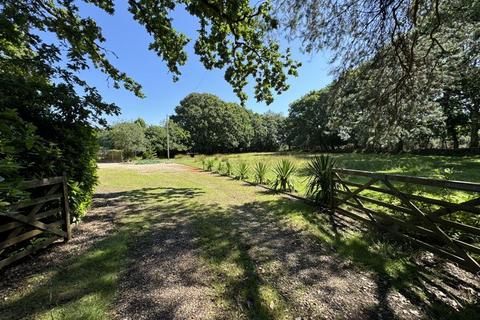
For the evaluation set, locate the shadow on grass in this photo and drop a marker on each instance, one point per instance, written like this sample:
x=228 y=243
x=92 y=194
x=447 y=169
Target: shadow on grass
x=158 y=226
x=432 y=287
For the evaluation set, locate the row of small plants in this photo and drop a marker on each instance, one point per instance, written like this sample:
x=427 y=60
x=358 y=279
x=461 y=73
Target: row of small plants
x=319 y=174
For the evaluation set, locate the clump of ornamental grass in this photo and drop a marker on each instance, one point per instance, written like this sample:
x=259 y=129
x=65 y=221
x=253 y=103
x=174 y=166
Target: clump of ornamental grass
x=242 y=171
x=220 y=167
x=203 y=159
x=284 y=171
x=209 y=164
x=320 y=179
x=260 y=172
x=228 y=168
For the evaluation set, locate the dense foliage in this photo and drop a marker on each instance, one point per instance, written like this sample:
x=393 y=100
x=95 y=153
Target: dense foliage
x=319 y=172
x=407 y=73
x=203 y=123
x=50 y=115
x=137 y=139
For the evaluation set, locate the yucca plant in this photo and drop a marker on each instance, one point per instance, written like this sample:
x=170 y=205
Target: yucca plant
x=228 y=168
x=209 y=164
x=320 y=179
x=220 y=167
x=204 y=162
x=242 y=171
x=284 y=171
x=260 y=172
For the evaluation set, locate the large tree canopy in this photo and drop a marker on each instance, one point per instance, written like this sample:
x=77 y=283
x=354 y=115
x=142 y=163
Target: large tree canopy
x=45 y=44
x=232 y=36
x=214 y=125
x=408 y=49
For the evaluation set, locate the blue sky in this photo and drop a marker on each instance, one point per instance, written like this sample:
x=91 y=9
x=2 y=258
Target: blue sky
x=130 y=42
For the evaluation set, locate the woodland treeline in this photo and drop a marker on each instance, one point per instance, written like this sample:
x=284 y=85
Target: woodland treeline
x=318 y=121
x=406 y=76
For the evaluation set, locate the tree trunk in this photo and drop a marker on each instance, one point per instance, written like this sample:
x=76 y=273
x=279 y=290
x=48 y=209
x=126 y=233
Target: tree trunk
x=474 y=127
x=452 y=131
x=399 y=147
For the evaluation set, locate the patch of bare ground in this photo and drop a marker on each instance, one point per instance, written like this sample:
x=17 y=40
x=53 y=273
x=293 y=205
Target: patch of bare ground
x=165 y=279
x=317 y=283
x=149 y=168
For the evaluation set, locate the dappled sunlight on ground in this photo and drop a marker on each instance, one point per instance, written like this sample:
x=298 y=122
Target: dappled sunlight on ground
x=185 y=244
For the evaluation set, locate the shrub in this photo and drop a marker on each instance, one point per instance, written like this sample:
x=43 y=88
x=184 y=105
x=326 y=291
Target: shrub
x=209 y=164
x=319 y=179
x=220 y=167
x=242 y=171
x=284 y=171
x=260 y=172
x=203 y=159
x=228 y=168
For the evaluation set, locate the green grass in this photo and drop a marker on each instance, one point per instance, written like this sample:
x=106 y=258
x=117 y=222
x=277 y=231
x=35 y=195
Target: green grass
x=440 y=167
x=85 y=286
x=465 y=168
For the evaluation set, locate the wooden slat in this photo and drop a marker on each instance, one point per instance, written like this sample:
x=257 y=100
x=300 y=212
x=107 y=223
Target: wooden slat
x=12 y=225
x=427 y=246
x=31 y=202
x=356 y=191
x=405 y=224
x=448 y=210
x=428 y=200
x=37 y=224
x=354 y=216
x=25 y=236
x=380 y=203
x=41 y=182
x=457 y=185
x=33 y=212
x=26 y=252
x=459 y=226
x=437 y=229
x=409 y=226
x=66 y=209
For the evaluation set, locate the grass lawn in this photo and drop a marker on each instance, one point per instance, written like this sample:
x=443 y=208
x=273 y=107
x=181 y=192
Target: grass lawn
x=262 y=254
x=438 y=167
x=465 y=168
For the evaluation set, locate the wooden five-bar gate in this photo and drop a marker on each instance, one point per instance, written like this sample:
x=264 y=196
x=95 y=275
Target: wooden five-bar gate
x=420 y=210
x=33 y=224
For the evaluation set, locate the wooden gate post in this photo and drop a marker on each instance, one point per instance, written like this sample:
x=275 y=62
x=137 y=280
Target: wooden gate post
x=66 y=210
x=332 y=192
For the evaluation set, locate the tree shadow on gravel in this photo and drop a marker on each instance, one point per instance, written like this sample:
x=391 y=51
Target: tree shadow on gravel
x=83 y=286
x=439 y=288
x=171 y=256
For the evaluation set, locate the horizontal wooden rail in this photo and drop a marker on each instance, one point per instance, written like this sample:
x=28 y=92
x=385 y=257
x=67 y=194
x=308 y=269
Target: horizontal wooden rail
x=449 y=184
x=41 y=182
x=30 y=225
x=425 y=221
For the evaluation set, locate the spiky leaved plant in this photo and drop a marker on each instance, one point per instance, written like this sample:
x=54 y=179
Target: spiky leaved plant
x=320 y=179
x=220 y=167
x=260 y=172
x=284 y=171
x=242 y=171
x=203 y=159
x=209 y=164
x=228 y=168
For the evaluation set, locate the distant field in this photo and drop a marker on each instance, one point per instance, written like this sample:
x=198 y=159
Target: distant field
x=441 y=167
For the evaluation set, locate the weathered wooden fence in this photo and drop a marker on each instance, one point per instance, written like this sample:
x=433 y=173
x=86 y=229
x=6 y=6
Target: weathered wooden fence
x=33 y=224
x=420 y=210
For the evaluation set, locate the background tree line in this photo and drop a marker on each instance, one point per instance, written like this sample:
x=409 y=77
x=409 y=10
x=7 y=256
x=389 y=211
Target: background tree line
x=407 y=76
x=50 y=117
x=202 y=123
x=339 y=116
